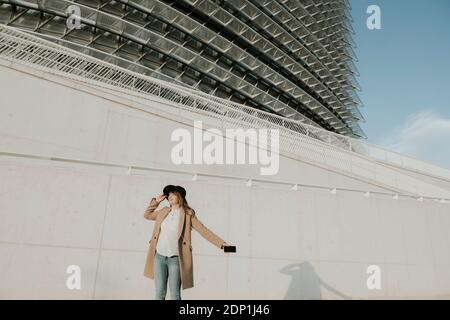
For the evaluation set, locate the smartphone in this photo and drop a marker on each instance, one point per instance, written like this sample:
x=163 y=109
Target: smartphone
x=229 y=249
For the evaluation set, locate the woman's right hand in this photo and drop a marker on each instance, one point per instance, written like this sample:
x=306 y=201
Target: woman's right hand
x=160 y=198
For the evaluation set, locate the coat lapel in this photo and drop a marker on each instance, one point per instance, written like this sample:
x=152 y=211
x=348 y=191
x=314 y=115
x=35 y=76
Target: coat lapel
x=181 y=223
x=165 y=214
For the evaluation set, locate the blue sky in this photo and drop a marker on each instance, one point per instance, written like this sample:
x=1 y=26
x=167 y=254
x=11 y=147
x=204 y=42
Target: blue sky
x=405 y=76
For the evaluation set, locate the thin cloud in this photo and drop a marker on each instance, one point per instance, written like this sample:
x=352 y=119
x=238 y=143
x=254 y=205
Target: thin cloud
x=424 y=135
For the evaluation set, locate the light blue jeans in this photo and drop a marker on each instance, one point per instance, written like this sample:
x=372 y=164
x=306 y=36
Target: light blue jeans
x=167 y=267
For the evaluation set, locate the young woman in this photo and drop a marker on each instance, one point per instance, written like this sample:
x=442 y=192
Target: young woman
x=169 y=255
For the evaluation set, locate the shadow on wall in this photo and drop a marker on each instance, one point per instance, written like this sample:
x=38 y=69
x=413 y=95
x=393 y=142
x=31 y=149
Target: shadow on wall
x=306 y=284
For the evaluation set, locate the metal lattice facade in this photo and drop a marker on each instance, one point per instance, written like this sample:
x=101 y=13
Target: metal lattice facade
x=292 y=58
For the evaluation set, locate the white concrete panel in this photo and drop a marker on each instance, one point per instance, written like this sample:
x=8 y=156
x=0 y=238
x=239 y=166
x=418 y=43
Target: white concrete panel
x=360 y=228
x=210 y=276
x=303 y=280
x=46 y=110
x=120 y=276
x=442 y=280
x=123 y=229
x=388 y=177
x=39 y=272
x=417 y=237
x=238 y=278
x=439 y=219
x=129 y=196
x=391 y=232
x=329 y=226
x=362 y=168
x=275 y=221
x=13 y=211
x=307 y=226
x=275 y=279
x=397 y=284
x=143 y=139
x=115 y=137
x=241 y=218
x=38 y=212
x=343 y=280
x=421 y=281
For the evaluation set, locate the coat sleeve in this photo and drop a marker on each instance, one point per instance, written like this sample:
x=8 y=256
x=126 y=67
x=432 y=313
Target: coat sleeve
x=205 y=232
x=150 y=213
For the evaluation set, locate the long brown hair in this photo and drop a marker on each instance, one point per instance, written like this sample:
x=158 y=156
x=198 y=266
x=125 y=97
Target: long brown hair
x=183 y=203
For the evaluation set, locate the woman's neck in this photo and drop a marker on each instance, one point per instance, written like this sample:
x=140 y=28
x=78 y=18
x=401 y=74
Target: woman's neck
x=175 y=206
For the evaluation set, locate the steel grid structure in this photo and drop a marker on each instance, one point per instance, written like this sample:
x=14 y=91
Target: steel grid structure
x=292 y=58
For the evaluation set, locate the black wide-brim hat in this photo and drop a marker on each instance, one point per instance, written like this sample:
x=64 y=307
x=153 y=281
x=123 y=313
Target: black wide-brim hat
x=170 y=188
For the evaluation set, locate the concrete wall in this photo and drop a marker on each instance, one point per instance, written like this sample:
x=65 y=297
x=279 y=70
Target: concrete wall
x=291 y=244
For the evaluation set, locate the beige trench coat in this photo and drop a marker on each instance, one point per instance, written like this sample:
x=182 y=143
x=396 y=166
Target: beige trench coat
x=188 y=220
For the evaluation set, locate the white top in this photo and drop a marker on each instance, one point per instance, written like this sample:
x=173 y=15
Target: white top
x=168 y=237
